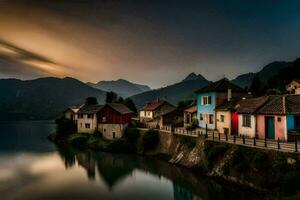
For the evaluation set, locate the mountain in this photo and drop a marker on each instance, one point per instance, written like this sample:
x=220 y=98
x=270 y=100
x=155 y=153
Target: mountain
x=43 y=98
x=264 y=75
x=173 y=93
x=122 y=87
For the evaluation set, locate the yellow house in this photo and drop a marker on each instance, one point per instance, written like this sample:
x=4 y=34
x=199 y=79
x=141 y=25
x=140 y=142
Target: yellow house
x=87 y=118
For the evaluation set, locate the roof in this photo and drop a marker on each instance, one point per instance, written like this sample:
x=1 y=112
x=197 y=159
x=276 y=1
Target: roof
x=292 y=104
x=90 y=109
x=74 y=109
x=250 y=106
x=191 y=109
x=151 y=106
x=274 y=105
x=221 y=86
x=120 y=108
x=228 y=105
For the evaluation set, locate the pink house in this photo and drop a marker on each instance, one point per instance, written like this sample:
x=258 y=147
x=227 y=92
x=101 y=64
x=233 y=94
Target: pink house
x=271 y=119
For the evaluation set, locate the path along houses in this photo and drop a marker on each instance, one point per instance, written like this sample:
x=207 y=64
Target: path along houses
x=110 y=119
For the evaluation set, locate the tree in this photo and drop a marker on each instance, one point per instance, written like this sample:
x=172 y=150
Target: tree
x=111 y=97
x=184 y=103
x=130 y=104
x=257 y=88
x=91 y=101
x=120 y=100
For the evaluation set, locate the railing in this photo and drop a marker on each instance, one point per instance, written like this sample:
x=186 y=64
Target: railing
x=213 y=135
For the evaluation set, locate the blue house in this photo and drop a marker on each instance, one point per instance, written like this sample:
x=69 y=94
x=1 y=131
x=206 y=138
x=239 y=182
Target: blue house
x=292 y=106
x=213 y=95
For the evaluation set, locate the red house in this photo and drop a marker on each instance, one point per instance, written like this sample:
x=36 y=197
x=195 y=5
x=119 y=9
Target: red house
x=113 y=119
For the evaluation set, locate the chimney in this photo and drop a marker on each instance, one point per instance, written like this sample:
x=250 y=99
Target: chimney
x=229 y=95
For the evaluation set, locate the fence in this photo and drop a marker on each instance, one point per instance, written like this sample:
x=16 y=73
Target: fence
x=239 y=140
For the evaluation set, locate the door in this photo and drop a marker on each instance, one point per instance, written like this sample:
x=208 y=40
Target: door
x=234 y=124
x=270 y=127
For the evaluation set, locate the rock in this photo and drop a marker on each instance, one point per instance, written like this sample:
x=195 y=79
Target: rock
x=291 y=161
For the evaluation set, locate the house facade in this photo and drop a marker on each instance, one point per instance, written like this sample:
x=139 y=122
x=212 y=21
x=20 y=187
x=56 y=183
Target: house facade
x=190 y=115
x=293 y=87
x=227 y=118
x=172 y=119
x=71 y=113
x=292 y=106
x=87 y=118
x=151 y=112
x=213 y=95
x=113 y=119
x=271 y=119
x=246 y=110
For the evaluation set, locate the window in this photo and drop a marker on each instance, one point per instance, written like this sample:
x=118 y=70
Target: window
x=201 y=116
x=80 y=116
x=247 y=121
x=103 y=119
x=211 y=119
x=104 y=130
x=87 y=126
x=222 y=118
x=114 y=135
x=279 y=119
x=206 y=100
x=90 y=116
x=80 y=125
x=148 y=113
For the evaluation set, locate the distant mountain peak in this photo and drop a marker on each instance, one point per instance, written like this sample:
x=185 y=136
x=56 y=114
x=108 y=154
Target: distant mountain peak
x=193 y=76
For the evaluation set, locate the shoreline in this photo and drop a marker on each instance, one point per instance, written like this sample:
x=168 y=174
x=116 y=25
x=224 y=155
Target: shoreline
x=223 y=162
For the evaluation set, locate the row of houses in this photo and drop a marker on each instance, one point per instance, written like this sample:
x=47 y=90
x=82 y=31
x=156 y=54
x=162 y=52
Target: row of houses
x=229 y=109
x=110 y=119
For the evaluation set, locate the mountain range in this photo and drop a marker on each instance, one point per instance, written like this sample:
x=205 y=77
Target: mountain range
x=264 y=75
x=122 y=87
x=46 y=98
x=43 y=98
x=173 y=93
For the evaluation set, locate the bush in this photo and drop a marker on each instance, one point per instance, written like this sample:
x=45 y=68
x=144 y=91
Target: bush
x=150 y=139
x=121 y=146
x=79 y=139
x=65 y=126
x=131 y=134
x=291 y=182
x=98 y=134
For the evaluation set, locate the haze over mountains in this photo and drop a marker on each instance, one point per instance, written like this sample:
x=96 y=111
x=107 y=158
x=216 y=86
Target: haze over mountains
x=46 y=98
x=122 y=87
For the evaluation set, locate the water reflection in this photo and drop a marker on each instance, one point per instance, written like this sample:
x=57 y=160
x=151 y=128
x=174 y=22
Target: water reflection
x=114 y=169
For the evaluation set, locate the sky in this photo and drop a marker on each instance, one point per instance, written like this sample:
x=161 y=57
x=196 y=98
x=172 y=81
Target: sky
x=150 y=42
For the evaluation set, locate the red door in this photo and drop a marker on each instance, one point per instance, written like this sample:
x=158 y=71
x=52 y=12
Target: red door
x=234 y=124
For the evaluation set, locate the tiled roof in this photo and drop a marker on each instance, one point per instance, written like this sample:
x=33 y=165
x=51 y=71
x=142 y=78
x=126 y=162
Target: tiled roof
x=274 y=105
x=251 y=105
x=292 y=104
x=153 y=105
x=191 y=109
x=228 y=105
x=90 y=109
x=221 y=86
x=121 y=108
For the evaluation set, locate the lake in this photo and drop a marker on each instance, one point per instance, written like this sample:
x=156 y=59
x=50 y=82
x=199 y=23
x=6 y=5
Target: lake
x=33 y=168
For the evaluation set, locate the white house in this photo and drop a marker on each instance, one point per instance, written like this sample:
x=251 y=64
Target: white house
x=246 y=110
x=294 y=87
x=87 y=118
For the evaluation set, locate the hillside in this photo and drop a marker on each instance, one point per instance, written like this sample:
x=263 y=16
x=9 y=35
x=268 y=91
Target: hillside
x=122 y=87
x=173 y=93
x=43 y=98
x=264 y=75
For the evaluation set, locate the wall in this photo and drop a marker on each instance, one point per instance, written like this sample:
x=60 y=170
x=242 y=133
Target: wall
x=146 y=114
x=247 y=131
x=206 y=109
x=82 y=121
x=69 y=113
x=280 y=127
x=226 y=123
x=108 y=129
x=290 y=122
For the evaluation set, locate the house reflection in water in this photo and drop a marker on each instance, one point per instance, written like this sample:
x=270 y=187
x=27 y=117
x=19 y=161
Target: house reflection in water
x=181 y=193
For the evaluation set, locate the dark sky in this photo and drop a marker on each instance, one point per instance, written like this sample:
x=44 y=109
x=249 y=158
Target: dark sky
x=151 y=42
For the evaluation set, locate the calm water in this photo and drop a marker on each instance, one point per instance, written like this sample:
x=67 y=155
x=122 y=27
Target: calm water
x=33 y=168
